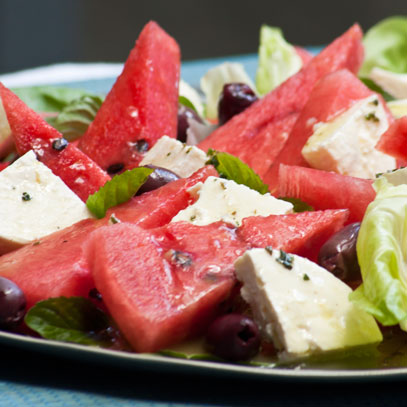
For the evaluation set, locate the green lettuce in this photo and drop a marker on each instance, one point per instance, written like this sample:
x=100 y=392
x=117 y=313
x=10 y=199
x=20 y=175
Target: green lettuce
x=48 y=98
x=278 y=60
x=382 y=255
x=75 y=118
x=386 y=46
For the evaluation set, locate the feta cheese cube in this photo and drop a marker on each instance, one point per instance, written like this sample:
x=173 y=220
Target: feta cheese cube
x=34 y=203
x=178 y=157
x=220 y=199
x=346 y=144
x=301 y=307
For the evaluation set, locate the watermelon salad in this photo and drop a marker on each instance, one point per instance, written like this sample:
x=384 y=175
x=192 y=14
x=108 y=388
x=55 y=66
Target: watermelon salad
x=256 y=220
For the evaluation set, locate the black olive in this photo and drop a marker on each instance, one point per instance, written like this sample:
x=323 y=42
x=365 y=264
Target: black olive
x=235 y=98
x=159 y=177
x=12 y=304
x=233 y=337
x=338 y=254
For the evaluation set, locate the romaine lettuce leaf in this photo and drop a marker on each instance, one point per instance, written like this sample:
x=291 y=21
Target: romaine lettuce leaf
x=382 y=255
x=213 y=81
x=386 y=46
x=278 y=60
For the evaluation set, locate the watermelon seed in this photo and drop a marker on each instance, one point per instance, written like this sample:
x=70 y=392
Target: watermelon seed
x=95 y=294
x=179 y=258
x=115 y=168
x=59 y=144
x=141 y=146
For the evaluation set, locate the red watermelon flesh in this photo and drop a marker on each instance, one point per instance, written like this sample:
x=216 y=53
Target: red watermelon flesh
x=266 y=145
x=394 y=141
x=299 y=233
x=305 y=55
x=142 y=105
x=290 y=96
x=326 y=190
x=158 y=207
x=57 y=265
x=31 y=132
x=333 y=94
x=163 y=285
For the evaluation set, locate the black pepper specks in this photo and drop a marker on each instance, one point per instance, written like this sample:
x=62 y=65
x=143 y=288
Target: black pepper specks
x=269 y=250
x=286 y=260
x=26 y=196
x=60 y=144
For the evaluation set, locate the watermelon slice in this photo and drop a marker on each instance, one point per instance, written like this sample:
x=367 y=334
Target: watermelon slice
x=394 y=141
x=333 y=94
x=141 y=107
x=326 y=190
x=290 y=96
x=56 y=265
x=163 y=285
x=299 y=233
x=31 y=132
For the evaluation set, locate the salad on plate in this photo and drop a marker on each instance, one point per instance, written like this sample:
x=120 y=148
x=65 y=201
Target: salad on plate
x=258 y=220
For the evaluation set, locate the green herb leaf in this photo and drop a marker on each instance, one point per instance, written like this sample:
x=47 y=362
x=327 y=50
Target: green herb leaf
x=75 y=118
x=48 y=98
x=386 y=46
x=186 y=102
x=299 y=206
x=232 y=168
x=73 y=319
x=376 y=88
x=119 y=189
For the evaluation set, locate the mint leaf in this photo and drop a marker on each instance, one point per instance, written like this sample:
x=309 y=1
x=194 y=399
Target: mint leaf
x=76 y=116
x=231 y=167
x=186 y=102
x=73 y=319
x=48 y=98
x=119 y=189
x=299 y=206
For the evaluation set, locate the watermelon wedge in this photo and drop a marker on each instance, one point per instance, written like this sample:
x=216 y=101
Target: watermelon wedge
x=332 y=95
x=141 y=107
x=394 y=141
x=326 y=190
x=299 y=233
x=163 y=285
x=57 y=266
x=31 y=132
x=290 y=96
